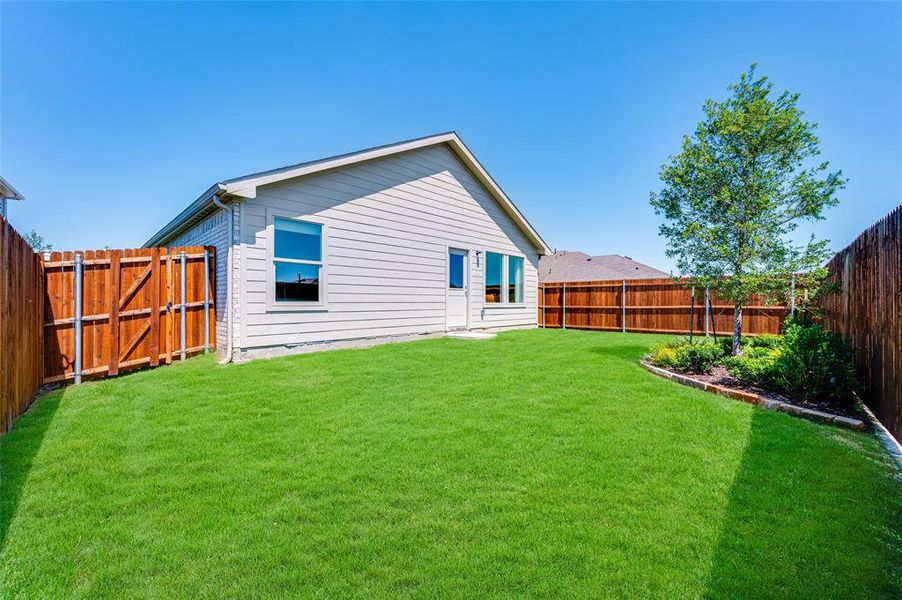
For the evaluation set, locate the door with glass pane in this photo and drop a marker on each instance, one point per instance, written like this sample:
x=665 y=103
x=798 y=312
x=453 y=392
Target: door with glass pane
x=456 y=311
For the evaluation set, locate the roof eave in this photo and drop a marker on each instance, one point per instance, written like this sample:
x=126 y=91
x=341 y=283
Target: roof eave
x=178 y=224
x=8 y=192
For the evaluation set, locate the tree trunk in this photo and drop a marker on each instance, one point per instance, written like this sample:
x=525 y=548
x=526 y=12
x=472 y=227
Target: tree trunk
x=737 y=328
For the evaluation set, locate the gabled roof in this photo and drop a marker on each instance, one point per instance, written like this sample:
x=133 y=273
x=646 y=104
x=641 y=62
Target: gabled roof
x=8 y=192
x=565 y=266
x=246 y=186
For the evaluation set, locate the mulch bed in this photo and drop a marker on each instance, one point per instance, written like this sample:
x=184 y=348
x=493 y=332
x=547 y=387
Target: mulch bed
x=721 y=376
x=720 y=381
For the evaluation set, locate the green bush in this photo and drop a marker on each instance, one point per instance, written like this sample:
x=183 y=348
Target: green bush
x=664 y=357
x=765 y=340
x=815 y=364
x=756 y=366
x=699 y=356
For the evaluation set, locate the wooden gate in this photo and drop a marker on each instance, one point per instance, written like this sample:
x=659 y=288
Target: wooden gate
x=138 y=308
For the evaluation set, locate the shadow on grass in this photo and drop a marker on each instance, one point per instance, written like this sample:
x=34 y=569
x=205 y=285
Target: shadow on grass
x=18 y=449
x=796 y=515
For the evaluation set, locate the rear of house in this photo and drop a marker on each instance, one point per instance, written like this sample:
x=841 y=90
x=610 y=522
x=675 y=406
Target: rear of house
x=404 y=240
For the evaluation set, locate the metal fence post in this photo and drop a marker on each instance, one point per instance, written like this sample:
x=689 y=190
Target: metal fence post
x=792 y=295
x=707 y=310
x=184 y=303
x=78 y=294
x=543 y=307
x=206 y=300
x=691 y=314
x=564 y=307
x=623 y=306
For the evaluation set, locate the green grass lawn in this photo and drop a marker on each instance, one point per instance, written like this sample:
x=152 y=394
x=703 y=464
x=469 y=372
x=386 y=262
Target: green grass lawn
x=539 y=463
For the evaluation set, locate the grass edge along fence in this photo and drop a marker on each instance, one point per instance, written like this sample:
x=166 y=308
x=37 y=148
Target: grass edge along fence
x=867 y=313
x=68 y=316
x=21 y=317
x=651 y=306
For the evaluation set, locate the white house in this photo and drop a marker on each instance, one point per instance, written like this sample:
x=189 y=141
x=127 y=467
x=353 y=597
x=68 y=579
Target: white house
x=404 y=240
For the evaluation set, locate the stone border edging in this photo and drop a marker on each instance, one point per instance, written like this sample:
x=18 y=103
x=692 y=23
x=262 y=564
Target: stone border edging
x=792 y=409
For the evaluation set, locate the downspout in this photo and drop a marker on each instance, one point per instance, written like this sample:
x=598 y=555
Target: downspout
x=229 y=269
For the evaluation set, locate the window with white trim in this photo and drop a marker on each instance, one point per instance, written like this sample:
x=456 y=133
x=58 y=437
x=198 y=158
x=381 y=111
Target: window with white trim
x=504 y=279
x=297 y=261
x=515 y=279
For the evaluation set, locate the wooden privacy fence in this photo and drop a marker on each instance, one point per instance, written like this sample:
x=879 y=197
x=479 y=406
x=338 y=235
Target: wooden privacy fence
x=867 y=313
x=650 y=306
x=21 y=312
x=106 y=311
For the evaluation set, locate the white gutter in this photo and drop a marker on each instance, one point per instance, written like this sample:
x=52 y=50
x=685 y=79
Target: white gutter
x=228 y=309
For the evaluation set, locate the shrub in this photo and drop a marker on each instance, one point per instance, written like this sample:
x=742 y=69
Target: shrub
x=765 y=340
x=664 y=357
x=700 y=356
x=683 y=356
x=815 y=364
x=756 y=366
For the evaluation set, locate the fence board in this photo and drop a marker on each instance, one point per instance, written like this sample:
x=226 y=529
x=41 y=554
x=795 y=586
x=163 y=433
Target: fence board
x=649 y=306
x=867 y=313
x=125 y=308
x=21 y=319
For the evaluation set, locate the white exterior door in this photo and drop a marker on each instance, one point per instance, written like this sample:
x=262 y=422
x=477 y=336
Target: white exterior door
x=458 y=280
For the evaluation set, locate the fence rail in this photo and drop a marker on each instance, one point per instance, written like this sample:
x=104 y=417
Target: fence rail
x=650 y=306
x=107 y=311
x=21 y=311
x=867 y=313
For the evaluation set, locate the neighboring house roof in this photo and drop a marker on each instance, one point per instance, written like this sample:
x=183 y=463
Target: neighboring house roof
x=246 y=187
x=8 y=192
x=565 y=266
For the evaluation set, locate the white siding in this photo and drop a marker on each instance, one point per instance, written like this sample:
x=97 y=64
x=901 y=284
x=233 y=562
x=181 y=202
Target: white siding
x=213 y=231
x=389 y=224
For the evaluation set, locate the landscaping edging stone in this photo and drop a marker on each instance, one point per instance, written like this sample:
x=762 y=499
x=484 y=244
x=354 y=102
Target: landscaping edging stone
x=792 y=409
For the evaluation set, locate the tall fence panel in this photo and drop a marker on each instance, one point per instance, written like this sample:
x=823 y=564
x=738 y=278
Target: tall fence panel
x=650 y=306
x=106 y=311
x=867 y=313
x=21 y=294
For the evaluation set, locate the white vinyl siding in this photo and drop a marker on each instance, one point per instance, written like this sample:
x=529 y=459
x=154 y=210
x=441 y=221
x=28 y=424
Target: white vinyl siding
x=213 y=231
x=389 y=224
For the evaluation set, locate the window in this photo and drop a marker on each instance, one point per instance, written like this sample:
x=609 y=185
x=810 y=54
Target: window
x=493 y=276
x=514 y=279
x=297 y=260
x=503 y=278
x=456 y=270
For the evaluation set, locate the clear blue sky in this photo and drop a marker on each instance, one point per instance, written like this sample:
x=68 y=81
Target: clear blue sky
x=115 y=116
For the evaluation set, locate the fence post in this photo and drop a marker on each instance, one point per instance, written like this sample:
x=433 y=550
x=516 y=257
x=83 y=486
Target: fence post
x=691 y=313
x=206 y=300
x=623 y=306
x=78 y=294
x=792 y=295
x=707 y=310
x=184 y=302
x=564 y=307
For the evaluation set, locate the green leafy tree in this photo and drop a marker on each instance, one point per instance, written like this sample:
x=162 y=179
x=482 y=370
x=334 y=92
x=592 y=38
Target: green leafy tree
x=740 y=185
x=37 y=242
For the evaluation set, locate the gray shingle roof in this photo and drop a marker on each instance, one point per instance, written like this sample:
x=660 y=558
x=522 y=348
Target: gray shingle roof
x=579 y=266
